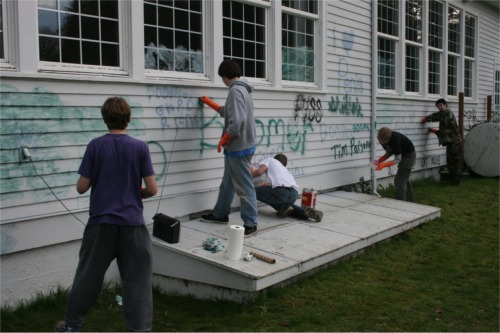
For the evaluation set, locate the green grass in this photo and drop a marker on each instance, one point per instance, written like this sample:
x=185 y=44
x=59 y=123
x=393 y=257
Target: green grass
x=441 y=276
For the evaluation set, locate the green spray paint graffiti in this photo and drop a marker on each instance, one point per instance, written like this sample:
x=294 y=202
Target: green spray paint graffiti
x=346 y=106
x=56 y=134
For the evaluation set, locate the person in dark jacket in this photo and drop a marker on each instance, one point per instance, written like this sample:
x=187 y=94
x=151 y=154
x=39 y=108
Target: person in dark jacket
x=397 y=144
x=448 y=136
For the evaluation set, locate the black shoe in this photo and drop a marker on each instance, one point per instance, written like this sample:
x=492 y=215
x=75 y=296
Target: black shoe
x=249 y=230
x=285 y=211
x=62 y=327
x=314 y=214
x=455 y=182
x=211 y=218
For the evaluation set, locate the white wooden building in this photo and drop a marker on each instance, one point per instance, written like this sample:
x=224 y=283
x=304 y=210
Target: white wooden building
x=327 y=75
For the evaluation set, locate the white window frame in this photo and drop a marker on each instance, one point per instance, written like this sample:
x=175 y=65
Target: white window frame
x=444 y=54
x=22 y=54
x=52 y=67
x=208 y=20
x=9 y=22
x=319 y=45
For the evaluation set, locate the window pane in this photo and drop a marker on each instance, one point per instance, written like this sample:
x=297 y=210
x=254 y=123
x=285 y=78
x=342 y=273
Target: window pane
x=388 y=17
x=309 y=6
x=470 y=36
x=243 y=34
x=91 y=53
x=110 y=54
x=49 y=49
x=89 y=7
x=69 y=6
x=412 y=68
x=468 y=78
x=90 y=28
x=70 y=26
x=386 y=64
x=109 y=9
x=297 y=49
x=497 y=91
x=452 y=75
x=87 y=23
x=48 y=23
x=434 y=72
x=109 y=31
x=173 y=36
x=50 y=4
x=454 y=21
x=414 y=20
x=2 y=50
x=436 y=24
x=70 y=51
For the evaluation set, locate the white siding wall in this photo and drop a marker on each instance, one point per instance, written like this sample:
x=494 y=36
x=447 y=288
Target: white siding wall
x=56 y=116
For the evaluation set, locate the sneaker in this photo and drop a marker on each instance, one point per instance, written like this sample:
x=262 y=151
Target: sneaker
x=211 y=218
x=284 y=212
x=314 y=214
x=249 y=230
x=62 y=327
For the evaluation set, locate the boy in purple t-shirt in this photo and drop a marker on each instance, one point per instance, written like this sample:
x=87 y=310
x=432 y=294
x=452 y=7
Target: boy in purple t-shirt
x=113 y=167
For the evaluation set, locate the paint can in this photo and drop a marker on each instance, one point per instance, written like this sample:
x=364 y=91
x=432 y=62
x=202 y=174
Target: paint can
x=309 y=198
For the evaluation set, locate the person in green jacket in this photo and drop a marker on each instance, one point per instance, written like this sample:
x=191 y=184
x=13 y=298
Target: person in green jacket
x=448 y=136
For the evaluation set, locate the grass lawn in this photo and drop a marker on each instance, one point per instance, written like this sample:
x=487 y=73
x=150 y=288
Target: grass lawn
x=441 y=276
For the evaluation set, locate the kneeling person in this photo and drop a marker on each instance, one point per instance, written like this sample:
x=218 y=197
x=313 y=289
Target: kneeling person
x=282 y=191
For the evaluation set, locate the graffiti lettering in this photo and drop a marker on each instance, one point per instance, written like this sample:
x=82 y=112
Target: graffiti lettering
x=342 y=150
x=346 y=107
x=310 y=108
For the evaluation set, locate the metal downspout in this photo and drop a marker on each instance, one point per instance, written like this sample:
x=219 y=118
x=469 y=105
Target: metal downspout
x=374 y=93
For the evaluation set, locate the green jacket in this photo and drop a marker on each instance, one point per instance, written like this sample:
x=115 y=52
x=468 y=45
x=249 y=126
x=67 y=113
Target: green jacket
x=448 y=128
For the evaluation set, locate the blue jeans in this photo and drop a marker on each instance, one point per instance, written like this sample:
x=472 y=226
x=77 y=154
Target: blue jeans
x=280 y=198
x=237 y=179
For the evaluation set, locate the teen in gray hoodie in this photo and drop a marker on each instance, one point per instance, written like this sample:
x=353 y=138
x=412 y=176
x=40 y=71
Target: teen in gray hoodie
x=238 y=139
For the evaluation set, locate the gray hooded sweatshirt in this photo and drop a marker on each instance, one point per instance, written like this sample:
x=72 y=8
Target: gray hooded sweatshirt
x=238 y=119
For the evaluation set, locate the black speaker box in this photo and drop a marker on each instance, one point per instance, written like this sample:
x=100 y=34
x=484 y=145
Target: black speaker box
x=166 y=228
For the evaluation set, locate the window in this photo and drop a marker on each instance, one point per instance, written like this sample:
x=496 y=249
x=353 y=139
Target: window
x=470 y=49
x=388 y=28
x=434 y=72
x=413 y=44
x=386 y=64
x=244 y=36
x=298 y=40
x=448 y=63
x=79 y=32
x=435 y=43
x=496 y=107
x=173 y=35
x=454 y=20
x=2 y=46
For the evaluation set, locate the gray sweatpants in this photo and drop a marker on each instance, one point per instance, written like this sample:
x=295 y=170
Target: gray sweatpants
x=101 y=244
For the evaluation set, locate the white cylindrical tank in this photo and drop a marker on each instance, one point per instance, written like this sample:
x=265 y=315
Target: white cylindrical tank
x=481 y=149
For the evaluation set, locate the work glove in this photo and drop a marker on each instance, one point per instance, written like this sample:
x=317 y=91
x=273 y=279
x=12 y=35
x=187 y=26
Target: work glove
x=223 y=141
x=382 y=158
x=210 y=103
x=384 y=165
x=424 y=120
x=432 y=130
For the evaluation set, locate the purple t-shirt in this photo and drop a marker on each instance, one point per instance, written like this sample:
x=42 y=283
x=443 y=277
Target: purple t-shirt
x=115 y=165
